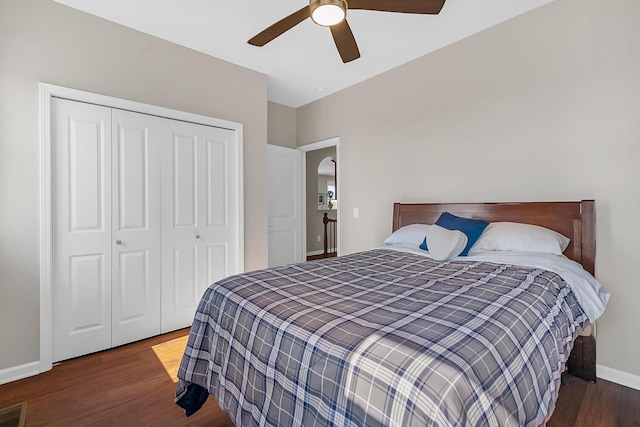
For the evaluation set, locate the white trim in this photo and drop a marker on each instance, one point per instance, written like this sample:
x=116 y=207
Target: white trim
x=618 y=377
x=19 y=372
x=326 y=143
x=138 y=107
x=47 y=93
x=240 y=193
x=46 y=274
x=303 y=184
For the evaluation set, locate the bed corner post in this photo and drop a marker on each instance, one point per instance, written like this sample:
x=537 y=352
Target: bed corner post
x=588 y=219
x=396 y=216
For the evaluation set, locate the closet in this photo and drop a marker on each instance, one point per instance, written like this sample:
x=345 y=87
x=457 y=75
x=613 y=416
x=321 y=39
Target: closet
x=145 y=215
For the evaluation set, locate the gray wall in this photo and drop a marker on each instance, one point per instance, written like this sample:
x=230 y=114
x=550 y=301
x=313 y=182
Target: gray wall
x=281 y=125
x=542 y=107
x=43 y=41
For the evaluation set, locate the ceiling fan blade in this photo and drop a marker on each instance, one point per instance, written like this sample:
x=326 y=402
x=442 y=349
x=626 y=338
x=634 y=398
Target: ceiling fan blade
x=280 y=27
x=345 y=42
x=431 y=7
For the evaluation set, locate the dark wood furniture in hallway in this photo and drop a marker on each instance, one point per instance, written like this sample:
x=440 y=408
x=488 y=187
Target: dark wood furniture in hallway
x=330 y=228
x=330 y=238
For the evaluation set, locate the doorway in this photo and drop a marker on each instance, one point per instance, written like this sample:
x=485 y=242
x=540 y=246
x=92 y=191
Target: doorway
x=322 y=196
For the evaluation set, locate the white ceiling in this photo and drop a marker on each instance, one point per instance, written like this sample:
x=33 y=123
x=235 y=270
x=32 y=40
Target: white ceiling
x=303 y=64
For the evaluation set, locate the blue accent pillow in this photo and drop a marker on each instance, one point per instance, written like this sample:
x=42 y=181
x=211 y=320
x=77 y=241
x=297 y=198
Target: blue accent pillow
x=472 y=228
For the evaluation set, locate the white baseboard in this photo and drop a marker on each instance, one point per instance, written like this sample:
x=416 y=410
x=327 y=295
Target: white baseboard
x=19 y=372
x=618 y=377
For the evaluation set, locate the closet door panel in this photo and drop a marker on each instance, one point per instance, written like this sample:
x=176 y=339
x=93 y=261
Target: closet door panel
x=185 y=278
x=200 y=214
x=81 y=232
x=220 y=210
x=136 y=270
x=185 y=151
x=87 y=296
x=217 y=262
x=182 y=161
x=134 y=285
x=216 y=190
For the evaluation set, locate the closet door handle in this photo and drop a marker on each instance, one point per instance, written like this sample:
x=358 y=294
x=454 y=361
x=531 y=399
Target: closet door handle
x=197 y=236
x=118 y=242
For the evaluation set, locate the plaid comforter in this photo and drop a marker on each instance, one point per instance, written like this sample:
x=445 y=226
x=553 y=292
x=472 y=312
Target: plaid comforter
x=383 y=338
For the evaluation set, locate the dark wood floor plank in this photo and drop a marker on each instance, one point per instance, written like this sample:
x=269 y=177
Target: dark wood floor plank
x=135 y=385
x=608 y=404
x=129 y=385
x=569 y=401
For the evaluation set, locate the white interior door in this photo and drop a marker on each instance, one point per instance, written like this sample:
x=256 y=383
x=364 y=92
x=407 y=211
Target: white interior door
x=200 y=217
x=136 y=261
x=285 y=206
x=81 y=232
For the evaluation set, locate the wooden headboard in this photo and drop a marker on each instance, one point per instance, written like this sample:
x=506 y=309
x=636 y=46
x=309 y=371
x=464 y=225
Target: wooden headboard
x=576 y=220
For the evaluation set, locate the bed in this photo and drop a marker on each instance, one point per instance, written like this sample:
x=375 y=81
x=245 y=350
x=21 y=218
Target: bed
x=391 y=336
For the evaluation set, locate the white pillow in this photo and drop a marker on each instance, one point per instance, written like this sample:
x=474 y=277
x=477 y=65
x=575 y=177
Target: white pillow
x=445 y=244
x=408 y=235
x=511 y=236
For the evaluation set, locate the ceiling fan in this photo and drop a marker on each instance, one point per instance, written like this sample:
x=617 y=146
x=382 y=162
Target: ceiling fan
x=332 y=14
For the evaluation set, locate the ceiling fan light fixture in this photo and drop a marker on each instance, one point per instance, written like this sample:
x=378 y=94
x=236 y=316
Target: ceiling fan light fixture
x=328 y=12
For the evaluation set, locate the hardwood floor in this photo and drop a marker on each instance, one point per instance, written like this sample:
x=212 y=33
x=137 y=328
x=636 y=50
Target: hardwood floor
x=321 y=256
x=134 y=385
x=584 y=404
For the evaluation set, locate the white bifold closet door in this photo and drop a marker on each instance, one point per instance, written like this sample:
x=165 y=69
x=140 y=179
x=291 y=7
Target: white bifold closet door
x=136 y=231
x=199 y=216
x=107 y=276
x=81 y=232
x=144 y=218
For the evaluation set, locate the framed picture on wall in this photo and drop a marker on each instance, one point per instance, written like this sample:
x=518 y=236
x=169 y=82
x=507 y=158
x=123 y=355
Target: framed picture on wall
x=321 y=198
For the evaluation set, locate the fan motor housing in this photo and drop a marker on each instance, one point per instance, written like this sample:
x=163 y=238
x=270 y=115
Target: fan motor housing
x=328 y=12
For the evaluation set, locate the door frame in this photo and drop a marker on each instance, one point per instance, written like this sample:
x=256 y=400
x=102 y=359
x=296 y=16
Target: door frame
x=319 y=145
x=47 y=92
